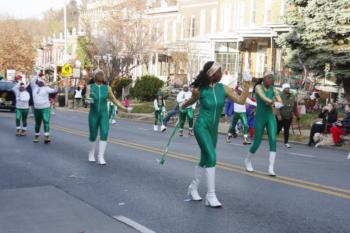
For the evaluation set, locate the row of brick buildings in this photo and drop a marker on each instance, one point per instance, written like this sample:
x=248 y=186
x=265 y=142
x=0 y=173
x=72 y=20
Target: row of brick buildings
x=236 y=33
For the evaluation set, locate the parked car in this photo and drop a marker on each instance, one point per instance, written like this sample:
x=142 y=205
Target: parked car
x=7 y=96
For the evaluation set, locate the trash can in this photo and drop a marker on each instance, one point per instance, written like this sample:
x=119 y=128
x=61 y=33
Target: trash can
x=61 y=100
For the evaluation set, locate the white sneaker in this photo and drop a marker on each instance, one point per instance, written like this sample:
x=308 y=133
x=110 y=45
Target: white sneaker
x=349 y=156
x=155 y=128
x=113 y=121
x=287 y=145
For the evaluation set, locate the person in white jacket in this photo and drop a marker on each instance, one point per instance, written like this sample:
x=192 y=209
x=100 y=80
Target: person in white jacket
x=159 y=110
x=240 y=114
x=182 y=97
x=22 y=108
x=42 y=110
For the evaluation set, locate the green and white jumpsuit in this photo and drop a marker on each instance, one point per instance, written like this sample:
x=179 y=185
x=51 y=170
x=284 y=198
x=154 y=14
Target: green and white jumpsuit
x=112 y=110
x=240 y=114
x=22 y=107
x=264 y=119
x=159 y=109
x=186 y=113
x=42 y=106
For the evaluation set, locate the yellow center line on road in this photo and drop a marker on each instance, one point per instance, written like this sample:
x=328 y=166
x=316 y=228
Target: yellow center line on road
x=333 y=191
x=330 y=190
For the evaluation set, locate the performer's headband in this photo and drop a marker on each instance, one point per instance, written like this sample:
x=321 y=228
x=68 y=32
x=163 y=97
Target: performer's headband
x=215 y=67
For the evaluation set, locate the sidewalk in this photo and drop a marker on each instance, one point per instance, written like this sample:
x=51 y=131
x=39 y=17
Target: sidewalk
x=50 y=210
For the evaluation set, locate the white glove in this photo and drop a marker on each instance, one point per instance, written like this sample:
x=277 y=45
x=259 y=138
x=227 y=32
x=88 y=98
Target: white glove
x=247 y=76
x=278 y=105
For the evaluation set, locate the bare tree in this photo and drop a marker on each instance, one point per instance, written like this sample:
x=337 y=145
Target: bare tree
x=126 y=36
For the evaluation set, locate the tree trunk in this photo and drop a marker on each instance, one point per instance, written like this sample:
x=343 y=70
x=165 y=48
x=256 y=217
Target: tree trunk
x=306 y=72
x=346 y=86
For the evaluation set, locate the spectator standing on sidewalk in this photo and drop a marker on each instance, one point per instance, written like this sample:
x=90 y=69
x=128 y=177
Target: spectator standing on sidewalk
x=78 y=96
x=285 y=113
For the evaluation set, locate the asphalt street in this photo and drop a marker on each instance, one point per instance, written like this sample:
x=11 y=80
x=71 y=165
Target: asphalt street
x=311 y=193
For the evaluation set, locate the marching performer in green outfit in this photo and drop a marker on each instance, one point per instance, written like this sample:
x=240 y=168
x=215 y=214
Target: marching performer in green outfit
x=97 y=95
x=240 y=114
x=266 y=97
x=112 y=110
x=22 y=108
x=159 y=110
x=182 y=97
x=42 y=106
x=211 y=95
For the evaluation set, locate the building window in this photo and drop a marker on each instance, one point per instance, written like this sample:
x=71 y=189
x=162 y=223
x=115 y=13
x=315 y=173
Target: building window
x=252 y=12
x=192 y=27
x=268 y=6
x=202 y=22
x=174 y=30
x=239 y=14
x=226 y=54
x=213 y=20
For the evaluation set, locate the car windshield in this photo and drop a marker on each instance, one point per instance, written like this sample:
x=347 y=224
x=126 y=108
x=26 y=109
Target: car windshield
x=6 y=86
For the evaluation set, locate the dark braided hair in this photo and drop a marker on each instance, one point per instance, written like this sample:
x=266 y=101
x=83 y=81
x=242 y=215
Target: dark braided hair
x=202 y=79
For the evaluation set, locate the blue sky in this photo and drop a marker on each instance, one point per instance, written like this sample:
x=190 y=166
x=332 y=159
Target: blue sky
x=28 y=8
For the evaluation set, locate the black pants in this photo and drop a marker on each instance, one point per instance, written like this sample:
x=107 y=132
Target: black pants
x=316 y=128
x=285 y=124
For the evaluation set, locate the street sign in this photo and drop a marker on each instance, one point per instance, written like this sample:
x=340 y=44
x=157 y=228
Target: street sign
x=76 y=73
x=10 y=74
x=67 y=70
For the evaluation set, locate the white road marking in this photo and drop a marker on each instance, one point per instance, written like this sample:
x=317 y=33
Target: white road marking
x=133 y=224
x=302 y=155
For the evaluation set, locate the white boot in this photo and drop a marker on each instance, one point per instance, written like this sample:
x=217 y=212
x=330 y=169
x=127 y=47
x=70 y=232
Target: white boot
x=92 y=152
x=101 y=152
x=193 y=188
x=163 y=128
x=211 y=199
x=272 y=158
x=155 y=127
x=248 y=162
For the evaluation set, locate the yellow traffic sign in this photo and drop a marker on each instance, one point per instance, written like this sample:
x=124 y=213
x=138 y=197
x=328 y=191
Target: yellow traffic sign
x=67 y=70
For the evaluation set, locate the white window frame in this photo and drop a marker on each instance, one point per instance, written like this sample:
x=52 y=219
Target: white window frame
x=182 y=28
x=192 y=27
x=253 y=4
x=202 y=22
x=268 y=11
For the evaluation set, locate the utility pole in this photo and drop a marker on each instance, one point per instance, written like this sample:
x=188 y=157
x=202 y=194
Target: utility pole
x=65 y=55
